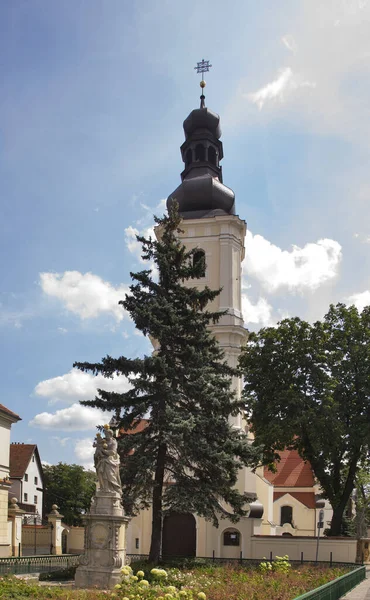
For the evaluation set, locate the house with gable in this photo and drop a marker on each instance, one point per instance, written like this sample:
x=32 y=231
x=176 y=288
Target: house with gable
x=7 y=419
x=26 y=478
x=295 y=496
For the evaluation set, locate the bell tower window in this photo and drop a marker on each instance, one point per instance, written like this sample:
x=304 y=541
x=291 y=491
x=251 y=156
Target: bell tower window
x=212 y=157
x=199 y=261
x=200 y=152
x=188 y=157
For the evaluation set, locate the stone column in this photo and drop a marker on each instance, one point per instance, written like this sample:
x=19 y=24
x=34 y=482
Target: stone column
x=15 y=515
x=105 y=543
x=55 y=520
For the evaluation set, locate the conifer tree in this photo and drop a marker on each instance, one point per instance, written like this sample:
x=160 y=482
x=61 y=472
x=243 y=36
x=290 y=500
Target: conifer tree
x=187 y=457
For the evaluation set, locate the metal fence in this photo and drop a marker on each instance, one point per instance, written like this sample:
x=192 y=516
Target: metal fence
x=37 y=564
x=337 y=588
x=199 y=560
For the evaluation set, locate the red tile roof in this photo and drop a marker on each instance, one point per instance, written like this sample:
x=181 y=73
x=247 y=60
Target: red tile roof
x=20 y=456
x=306 y=498
x=139 y=426
x=9 y=412
x=292 y=471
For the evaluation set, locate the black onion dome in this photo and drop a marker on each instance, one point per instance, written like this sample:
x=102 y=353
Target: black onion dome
x=202 y=195
x=202 y=192
x=202 y=118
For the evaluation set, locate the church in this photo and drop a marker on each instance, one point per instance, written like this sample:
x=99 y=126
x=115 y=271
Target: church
x=284 y=505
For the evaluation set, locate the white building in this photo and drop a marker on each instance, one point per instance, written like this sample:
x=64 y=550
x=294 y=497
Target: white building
x=7 y=418
x=27 y=479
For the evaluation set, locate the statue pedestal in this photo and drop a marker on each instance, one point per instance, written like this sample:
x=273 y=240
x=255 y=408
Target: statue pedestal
x=105 y=543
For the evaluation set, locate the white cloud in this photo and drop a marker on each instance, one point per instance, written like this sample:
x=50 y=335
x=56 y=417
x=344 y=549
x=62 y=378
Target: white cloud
x=73 y=418
x=260 y=313
x=77 y=385
x=360 y=300
x=285 y=83
x=84 y=452
x=131 y=242
x=62 y=330
x=289 y=42
x=61 y=440
x=297 y=269
x=86 y=295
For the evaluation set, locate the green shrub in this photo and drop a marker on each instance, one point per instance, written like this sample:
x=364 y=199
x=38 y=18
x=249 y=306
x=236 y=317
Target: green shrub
x=60 y=575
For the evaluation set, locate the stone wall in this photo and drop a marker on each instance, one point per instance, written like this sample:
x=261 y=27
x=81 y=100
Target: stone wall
x=342 y=549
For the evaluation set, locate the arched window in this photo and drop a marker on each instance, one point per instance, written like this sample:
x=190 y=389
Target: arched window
x=212 y=158
x=286 y=515
x=199 y=261
x=200 y=152
x=231 y=537
x=188 y=157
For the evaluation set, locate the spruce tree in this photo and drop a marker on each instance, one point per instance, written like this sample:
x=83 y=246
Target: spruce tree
x=187 y=457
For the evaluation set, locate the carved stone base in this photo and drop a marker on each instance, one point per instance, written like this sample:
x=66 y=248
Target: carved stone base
x=105 y=543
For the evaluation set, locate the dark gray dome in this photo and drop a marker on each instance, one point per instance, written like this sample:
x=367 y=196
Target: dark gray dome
x=202 y=118
x=204 y=193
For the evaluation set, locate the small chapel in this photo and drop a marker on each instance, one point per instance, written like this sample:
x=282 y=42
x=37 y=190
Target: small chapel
x=211 y=224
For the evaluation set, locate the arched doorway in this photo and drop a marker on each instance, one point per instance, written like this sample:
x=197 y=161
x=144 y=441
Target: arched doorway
x=179 y=537
x=64 y=541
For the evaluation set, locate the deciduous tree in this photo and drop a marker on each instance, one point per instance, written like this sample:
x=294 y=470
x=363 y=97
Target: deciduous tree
x=308 y=387
x=70 y=487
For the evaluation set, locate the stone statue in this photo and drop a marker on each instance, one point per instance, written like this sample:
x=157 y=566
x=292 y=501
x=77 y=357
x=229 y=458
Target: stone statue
x=107 y=462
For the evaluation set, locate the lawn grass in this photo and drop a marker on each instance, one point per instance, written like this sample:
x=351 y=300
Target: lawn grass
x=215 y=582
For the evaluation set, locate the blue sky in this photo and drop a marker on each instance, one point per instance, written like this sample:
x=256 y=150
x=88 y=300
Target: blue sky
x=92 y=99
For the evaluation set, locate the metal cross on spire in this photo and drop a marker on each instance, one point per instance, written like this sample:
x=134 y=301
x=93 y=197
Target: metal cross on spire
x=202 y=67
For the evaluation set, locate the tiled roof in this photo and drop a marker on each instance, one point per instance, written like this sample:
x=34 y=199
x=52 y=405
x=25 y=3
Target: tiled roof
x=306 y=498
x=139 y=426
x=292 y=471
x=9 y=412
x=20 y=456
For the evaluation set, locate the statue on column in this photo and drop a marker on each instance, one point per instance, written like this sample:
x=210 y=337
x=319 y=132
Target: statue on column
x=107 y=462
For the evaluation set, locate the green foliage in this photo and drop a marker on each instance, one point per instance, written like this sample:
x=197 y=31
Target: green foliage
x=66 y=574
x=215 y=582
x=308 y=387
x=362 y=500
x=185 y=387
x=281 y=564
x=71 y=487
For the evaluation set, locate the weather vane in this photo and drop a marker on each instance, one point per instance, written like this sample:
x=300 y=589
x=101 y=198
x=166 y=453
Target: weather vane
x=202 y=67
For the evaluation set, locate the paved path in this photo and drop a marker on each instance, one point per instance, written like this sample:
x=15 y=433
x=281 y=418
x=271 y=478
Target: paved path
x=361 y=591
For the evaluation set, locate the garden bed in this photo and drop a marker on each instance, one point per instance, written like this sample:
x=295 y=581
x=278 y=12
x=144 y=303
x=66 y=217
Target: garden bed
x=210 y=582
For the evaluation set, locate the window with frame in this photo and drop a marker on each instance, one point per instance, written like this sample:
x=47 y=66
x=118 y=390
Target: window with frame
x=26 y=476
x=25 y=497
x=286 y=515
x=35 y=499
x=199 y=257
x=33 y=458
x=232 y=538
x=35 y=480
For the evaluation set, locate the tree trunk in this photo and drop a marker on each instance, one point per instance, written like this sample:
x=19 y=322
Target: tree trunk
x=336 y=522
x=156 y=541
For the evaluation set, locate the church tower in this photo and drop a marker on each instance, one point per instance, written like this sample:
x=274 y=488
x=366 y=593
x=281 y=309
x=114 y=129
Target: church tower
x=210 y=224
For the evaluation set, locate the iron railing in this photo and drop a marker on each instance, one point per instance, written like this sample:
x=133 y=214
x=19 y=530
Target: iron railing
x=337 y=588
x=37 y=564
x=240 y=560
